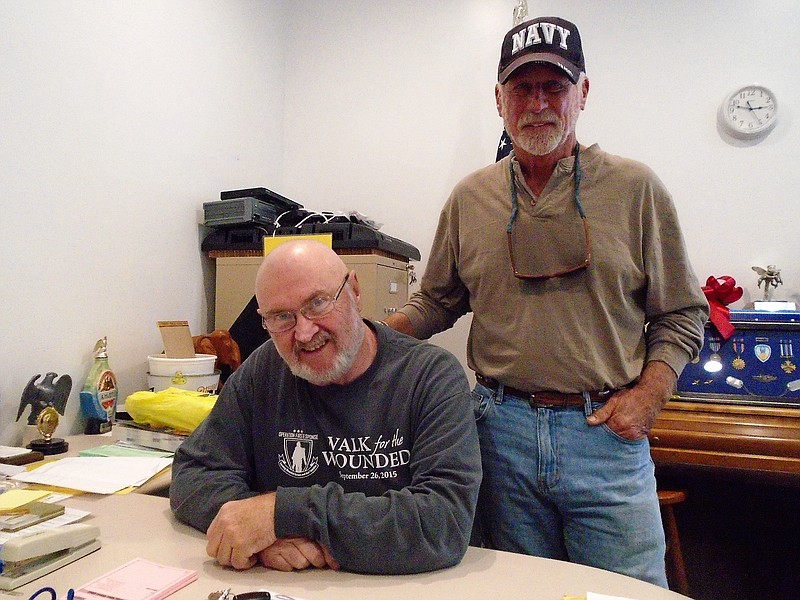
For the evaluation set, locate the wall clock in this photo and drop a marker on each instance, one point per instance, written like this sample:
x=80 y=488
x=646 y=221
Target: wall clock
x=749 y=112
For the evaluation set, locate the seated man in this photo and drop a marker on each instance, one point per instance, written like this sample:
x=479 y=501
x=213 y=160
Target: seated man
x=339 y=442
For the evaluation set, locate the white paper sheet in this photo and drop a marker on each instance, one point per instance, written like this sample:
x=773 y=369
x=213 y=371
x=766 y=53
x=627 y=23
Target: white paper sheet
x=99 y=475
x=9 y=451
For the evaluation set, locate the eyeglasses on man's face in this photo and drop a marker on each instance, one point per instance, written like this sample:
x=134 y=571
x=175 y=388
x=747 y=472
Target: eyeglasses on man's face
x=318 y=307
x=524 y=88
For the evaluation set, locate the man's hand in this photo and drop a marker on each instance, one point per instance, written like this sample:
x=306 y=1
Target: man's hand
x=630 y=413
x=241 y=529
x=399 y=322
x=288 y=554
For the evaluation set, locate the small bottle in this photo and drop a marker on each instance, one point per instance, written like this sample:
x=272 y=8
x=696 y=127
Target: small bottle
x=99 y=394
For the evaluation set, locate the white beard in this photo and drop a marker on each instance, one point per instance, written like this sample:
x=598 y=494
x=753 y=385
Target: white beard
x=540 y=142
x=354 y=331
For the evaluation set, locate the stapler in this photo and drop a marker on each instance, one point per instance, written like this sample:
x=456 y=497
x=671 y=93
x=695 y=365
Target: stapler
x=28 y=557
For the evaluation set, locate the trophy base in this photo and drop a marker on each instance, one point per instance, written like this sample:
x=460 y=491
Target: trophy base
x=48 y=447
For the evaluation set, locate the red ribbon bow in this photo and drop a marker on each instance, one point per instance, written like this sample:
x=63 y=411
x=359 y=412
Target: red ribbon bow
x=719 y=292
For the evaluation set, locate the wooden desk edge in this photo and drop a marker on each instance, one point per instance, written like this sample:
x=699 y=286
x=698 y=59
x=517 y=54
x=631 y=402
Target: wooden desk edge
x=750 y=440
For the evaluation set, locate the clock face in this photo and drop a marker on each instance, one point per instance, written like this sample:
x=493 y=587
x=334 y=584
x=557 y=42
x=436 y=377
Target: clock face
x=749 y=112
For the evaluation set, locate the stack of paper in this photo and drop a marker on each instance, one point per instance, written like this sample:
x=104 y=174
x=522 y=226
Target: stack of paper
x=26 y=512
x=99 y=475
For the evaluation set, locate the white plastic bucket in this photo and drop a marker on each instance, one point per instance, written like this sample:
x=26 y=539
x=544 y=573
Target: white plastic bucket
x=200 y=364
x=196 y=383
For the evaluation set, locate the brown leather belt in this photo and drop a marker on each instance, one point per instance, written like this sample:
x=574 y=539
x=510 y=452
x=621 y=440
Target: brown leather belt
x=546 y=399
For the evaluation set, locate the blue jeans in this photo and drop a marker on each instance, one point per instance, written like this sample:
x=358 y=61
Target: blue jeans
x=553 y=486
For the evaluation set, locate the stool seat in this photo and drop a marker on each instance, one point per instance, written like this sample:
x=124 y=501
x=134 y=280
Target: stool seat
x=670 y=497
x=676 y=569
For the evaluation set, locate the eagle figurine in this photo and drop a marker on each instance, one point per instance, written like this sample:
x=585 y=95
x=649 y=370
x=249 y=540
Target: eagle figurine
x=48 y=392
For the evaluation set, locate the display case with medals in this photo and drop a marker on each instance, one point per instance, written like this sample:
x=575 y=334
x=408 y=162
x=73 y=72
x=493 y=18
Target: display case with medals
x=755 y=366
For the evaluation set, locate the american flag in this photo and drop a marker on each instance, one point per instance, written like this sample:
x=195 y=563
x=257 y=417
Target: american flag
x=504 y=147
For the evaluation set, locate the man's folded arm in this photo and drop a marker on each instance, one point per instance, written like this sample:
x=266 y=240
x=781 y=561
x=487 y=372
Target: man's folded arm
x=422 y=527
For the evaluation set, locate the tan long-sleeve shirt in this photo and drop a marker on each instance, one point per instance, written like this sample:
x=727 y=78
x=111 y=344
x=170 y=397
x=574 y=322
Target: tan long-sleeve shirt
x=639 y=299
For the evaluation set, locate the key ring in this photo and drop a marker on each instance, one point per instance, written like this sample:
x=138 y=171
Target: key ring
x=52 y=592
x=229 y=595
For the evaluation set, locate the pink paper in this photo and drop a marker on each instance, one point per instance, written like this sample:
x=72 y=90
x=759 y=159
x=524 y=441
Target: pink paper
x=138 y=579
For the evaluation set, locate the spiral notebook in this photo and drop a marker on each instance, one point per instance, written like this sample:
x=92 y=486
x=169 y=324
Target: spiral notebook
x=138 y=579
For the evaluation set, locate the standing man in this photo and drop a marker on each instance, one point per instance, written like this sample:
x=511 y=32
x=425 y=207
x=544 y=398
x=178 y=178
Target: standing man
x=337 y=442
x=585 y=310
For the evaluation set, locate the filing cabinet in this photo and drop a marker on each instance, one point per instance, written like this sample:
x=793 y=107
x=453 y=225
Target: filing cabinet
x=384 y=284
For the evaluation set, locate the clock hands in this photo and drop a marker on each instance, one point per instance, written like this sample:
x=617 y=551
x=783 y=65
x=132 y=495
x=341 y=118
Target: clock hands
x=751 y=107
x=752 y=110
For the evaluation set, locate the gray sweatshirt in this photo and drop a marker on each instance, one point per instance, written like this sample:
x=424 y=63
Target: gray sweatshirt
x=383 y=471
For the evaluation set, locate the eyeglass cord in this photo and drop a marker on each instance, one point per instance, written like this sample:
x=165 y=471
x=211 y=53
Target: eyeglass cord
x=577 y=175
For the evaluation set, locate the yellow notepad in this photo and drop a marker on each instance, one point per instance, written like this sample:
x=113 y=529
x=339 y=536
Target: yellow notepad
x=13 y=499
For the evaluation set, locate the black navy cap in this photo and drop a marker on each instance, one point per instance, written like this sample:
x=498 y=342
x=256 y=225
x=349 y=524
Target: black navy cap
x=549 y=40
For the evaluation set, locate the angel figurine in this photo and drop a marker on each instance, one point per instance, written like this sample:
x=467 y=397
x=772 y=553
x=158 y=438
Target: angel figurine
x=520 y=12
x=771 y=277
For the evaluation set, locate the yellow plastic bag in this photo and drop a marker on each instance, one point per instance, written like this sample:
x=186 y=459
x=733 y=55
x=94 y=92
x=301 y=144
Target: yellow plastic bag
x=179 y=409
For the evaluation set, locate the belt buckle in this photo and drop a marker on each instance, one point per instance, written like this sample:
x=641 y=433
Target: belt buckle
x=543 y=403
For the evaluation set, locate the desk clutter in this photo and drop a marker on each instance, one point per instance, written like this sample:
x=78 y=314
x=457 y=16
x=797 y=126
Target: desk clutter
x=47 y=399
x=240 y=220
x=98 y=475
x=15 y=455
x=192 y=373
x=38 y=536
x=199 y=363
x=162 y=420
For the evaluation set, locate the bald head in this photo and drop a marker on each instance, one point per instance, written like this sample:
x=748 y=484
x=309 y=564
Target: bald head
x=303 y=257
x=296 y=271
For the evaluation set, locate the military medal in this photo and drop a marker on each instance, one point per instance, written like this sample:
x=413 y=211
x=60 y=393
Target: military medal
x=738 y=347
x=787 y=354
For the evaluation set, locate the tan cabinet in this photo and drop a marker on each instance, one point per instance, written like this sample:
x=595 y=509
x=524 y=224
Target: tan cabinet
x=235 y=282
x=384 y=285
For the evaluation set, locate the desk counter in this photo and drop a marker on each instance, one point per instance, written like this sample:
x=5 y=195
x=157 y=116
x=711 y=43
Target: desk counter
x=138 y=525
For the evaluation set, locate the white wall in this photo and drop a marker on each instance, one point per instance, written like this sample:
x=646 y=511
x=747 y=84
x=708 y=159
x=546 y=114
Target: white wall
x=119 y=119
x=394 y=104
